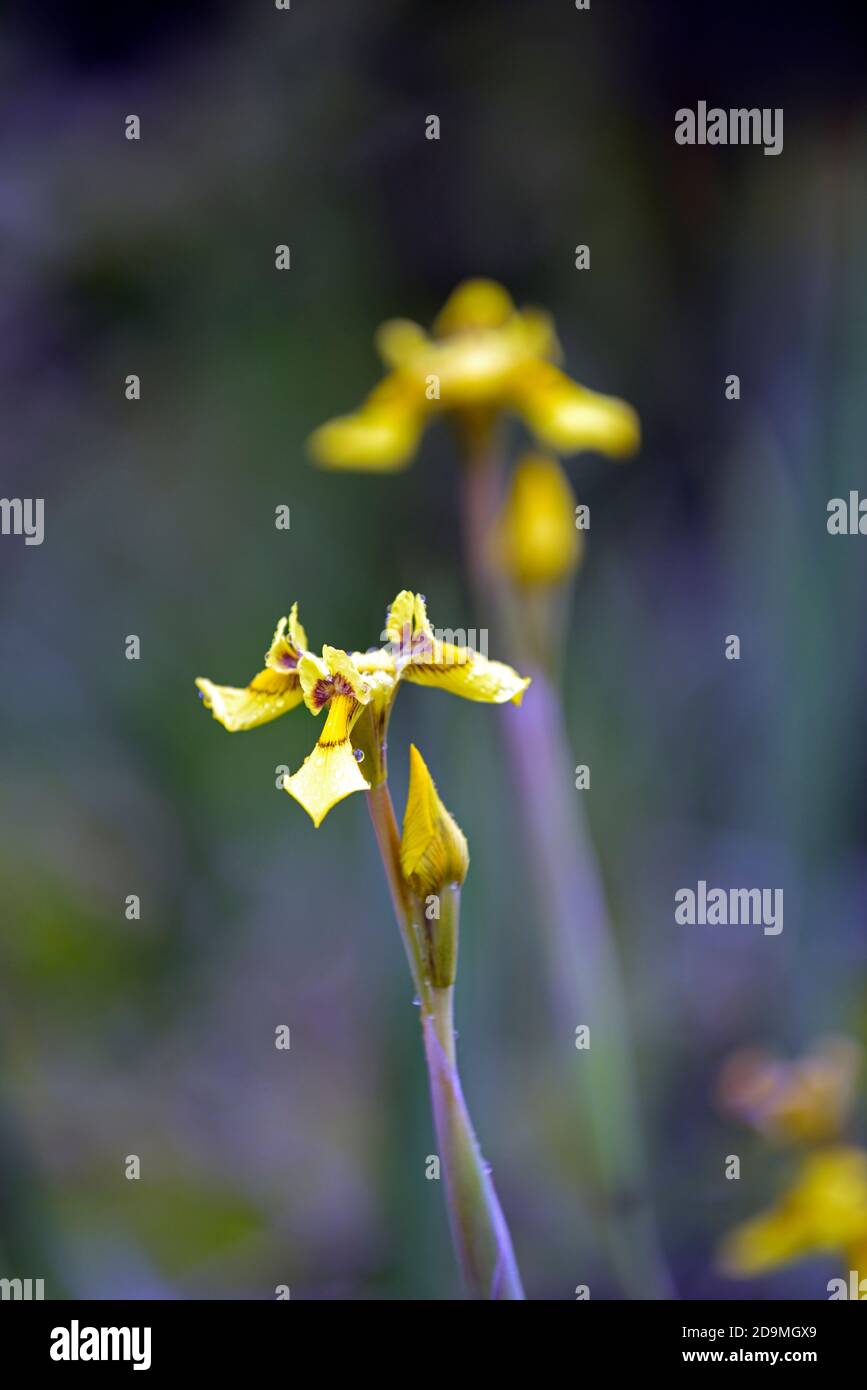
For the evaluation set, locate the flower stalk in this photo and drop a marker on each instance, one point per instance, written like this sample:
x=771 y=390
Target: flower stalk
x=480 y=1235
x=582 y=958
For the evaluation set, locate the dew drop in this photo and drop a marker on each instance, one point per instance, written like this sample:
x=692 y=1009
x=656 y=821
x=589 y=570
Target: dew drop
x=358 y=754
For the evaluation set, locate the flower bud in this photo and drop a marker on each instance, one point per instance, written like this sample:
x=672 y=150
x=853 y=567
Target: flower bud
x=535 y=540
x=433 y=848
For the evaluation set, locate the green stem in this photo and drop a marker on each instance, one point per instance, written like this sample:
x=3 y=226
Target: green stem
x=481 y=1238
x=584 y=967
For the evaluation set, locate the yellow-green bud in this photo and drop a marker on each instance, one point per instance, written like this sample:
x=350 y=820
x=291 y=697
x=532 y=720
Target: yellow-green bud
x=433 y=848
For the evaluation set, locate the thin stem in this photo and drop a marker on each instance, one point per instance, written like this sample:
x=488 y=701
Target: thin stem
x=479 y=1232
x=584 y=967
x=481 y=1238
x=388 y=840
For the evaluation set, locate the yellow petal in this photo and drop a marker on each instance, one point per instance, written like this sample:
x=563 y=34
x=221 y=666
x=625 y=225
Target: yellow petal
x=407 y=622
x=535 y=330
x=833 y=1191
x=464 y=672
x=433 y=848
x=331 y=771
x=568 y=417
x=380 y=437
x=765 y=1243
x=399 y=342
x=824 y=1209
x=535 y=540
x=269 y=694
x=474 y=304
x=332 y=674
x=400 y=616
x=377 y=666
x=285 y=651
x=297 y=635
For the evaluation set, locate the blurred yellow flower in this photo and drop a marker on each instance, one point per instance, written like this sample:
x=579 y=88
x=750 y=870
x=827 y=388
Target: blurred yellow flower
x=807 y=1101
x=358 y=690
x=534 y=539
x=484 y=356
x=825 y=1210
x=433 y=848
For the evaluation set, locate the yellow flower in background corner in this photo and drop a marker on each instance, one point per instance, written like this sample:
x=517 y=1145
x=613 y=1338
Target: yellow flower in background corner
x=803 y=1102
x=824 y=1211
x=483 y=357
x=535 y=540
x=358 y=689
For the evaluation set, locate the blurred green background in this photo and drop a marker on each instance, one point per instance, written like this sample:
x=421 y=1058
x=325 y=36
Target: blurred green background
x=262 y=1167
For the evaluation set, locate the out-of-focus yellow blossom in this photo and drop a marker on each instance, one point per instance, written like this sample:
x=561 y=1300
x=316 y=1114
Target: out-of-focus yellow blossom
x=824 y=1211
x=358 y=690
x=535 y=540
x=433 y=848
x=807 y=1101
x=484 y=356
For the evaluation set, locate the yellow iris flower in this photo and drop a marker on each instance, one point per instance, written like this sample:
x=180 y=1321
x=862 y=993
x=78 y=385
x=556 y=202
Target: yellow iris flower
x=484 y=356
x=802 y=1102
x=358 y=691
x=825 y=1210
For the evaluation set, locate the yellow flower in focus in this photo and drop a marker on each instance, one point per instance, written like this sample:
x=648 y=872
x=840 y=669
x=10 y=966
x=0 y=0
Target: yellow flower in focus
x=358 y=690
x=535 y=540
x=824 y=1211
x=484 y=356
x=433 y=848
x=807 y=1101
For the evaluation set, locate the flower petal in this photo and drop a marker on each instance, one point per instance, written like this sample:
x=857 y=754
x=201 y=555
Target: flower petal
x=284 y=652
x=399 y=341
x=297 y=635
x=331 y=771
x=381 y=437
x=465 y=672
x=824 y=1209
x=474 y=304
x=400 y=616
x=568 y=417
x=765 y=1243
x=269 y=694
